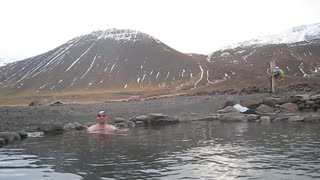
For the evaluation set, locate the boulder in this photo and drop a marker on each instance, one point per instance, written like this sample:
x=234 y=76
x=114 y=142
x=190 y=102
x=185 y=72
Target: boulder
x=119 y=120
x=126 y=124
x=315 y=97
x=252 y=103
x=289 y=107
x=312 y=118
x=208 y=118
x=315 y=106
x=131 y=124
x=252 y=117
x=36 y=134
x=69 y=127
x=296 y=119
x=271 y=101
x=50 y=128
x=228 y=109
x=34 y=103
x=139 y=123
x=23 y=135
x=280 y=118
x=74 y=126
x=230 y=102
x=142 y=118
x=80 y=127
x=265 y=109
x=300 y=97
x=121 y=125
x=265 y=119
x=155 y=118
x=10 y=136
x=234 y=116
x=3 y=141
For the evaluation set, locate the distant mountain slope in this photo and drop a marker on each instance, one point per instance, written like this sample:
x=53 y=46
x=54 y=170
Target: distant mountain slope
x=112 y=59
x=126 y=60
x=306 y=33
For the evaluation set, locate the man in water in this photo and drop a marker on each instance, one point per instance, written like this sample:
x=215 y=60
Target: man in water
x=102 y=116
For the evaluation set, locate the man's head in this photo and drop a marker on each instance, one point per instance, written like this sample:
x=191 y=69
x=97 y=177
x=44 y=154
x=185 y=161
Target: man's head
x=102 y=116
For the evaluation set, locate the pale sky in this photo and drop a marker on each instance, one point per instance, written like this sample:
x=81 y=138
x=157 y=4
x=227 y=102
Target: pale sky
x=33 y=27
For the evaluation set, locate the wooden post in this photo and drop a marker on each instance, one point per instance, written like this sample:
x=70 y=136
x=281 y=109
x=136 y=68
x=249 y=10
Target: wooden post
x=273 y=81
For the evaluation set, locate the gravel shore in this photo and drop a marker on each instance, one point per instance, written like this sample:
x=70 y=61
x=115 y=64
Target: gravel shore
x=27 y=118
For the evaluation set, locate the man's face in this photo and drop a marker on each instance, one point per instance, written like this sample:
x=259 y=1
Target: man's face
x=102 y=118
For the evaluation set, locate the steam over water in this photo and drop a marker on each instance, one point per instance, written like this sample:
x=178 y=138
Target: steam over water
x=200 y=150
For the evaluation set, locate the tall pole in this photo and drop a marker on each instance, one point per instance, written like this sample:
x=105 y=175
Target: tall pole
x=273 y=82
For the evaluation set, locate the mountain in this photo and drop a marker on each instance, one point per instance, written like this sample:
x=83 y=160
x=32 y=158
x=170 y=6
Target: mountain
x=296 y=34
x=112 y=59
x=245 y=64
x=5 y=60
x=128 y=62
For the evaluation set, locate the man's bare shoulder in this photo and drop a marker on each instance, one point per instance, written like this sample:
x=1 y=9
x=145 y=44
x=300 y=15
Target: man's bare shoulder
x=99 y=128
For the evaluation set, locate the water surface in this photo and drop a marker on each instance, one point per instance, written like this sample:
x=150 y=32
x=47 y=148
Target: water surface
x=199 y=150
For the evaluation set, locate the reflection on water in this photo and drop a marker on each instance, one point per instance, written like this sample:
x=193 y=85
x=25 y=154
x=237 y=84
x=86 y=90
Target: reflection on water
x=205 y=150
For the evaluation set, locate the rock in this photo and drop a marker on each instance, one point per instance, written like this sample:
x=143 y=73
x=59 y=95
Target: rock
x=228 y=109
x=315 y=97
x=300 y=97
x=3 y=141
x=312 y=118
x=23 y=135
x=265 y=109
x=164 y=120
x=280 y=118
x=34 y=103
x=69 y=127
x=209 y=118
x=271 y=101
x=142 y=118
x=252 y=103
x=49 y=128
x=56 y=103
x=131 y=124
x=301 y=105
x=10 y=136
x=80 y=127
x=229 y=103
x=155 y=118
x=235 y=116
x=310 y=103
x=252 y=117
x=184 y=118
x=119 y=120
x=139 y=123
x=295 y=118
x=126 y=124
x=289 y=107
x=74 y=126
x=307 y=110
x=35 y=134
x=315 y=106
x=121 y=125
x=265 y=119
x=194 y=114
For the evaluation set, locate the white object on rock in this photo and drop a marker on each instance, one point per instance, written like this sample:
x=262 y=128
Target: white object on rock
x=240 y=108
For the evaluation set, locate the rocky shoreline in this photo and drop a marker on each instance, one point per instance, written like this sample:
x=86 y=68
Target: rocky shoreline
x=17 y=122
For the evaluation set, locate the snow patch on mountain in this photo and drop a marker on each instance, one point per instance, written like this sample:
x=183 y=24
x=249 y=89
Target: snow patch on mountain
x=293 y=35
x=123 y=34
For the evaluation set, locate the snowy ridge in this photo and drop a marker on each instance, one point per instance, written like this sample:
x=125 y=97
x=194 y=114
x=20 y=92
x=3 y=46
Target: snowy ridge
x=123 y=34
x=293 y=35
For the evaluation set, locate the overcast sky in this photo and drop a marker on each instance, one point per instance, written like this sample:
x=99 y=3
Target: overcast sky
x=32 y=27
